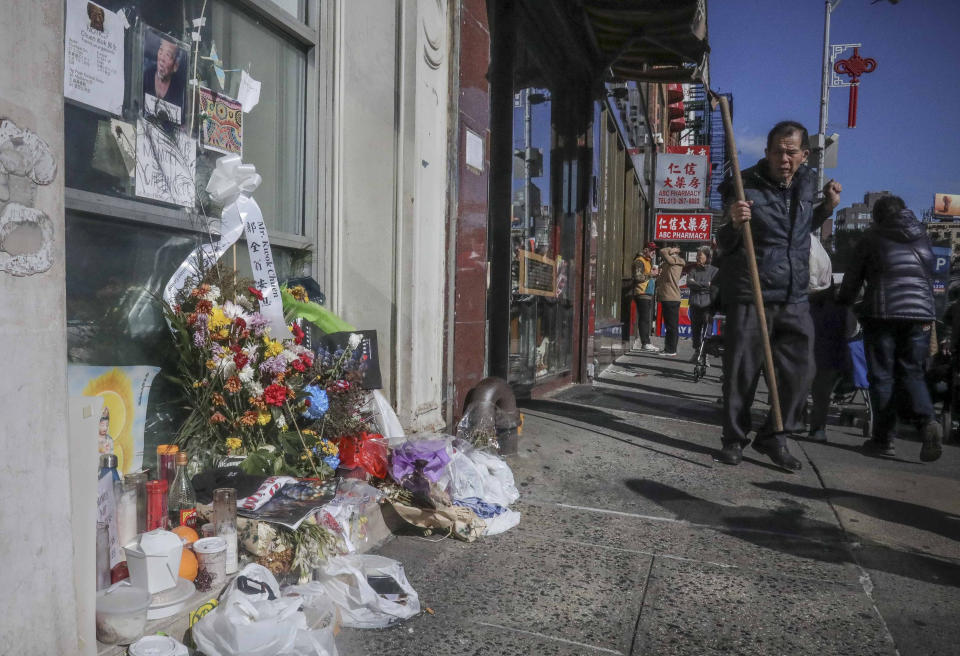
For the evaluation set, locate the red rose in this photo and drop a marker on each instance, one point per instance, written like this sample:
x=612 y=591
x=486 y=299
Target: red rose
x=298 y=366
x=240 y=359
x=256 y=292
x=275 y=395
x=240 y=323
x=306 y=359
x=298 y=333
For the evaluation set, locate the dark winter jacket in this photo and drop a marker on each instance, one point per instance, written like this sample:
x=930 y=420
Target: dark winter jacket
x=699 y=280
x=781 y=237
x=896 y=262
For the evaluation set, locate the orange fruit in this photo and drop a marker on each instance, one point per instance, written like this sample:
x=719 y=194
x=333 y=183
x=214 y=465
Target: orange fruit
x=188 y=565
x=187 y=534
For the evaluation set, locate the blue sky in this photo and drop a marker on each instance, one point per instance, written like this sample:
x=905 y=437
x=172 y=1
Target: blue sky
x=907 y=139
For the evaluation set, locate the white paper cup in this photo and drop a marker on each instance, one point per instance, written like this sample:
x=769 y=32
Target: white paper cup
x=211 y=562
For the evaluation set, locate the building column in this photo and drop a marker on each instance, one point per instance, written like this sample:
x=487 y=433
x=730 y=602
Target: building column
x=41 y=596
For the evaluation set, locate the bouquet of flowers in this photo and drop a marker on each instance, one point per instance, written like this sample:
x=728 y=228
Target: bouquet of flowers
x=249 y=394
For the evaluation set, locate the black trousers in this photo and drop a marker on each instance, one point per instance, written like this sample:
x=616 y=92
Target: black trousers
x=698 y=320
x=896 y=351
x=791 y=340
x=671 y=321
x=644 y=311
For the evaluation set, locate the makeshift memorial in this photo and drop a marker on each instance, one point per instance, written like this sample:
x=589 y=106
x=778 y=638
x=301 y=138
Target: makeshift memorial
x=254 y=391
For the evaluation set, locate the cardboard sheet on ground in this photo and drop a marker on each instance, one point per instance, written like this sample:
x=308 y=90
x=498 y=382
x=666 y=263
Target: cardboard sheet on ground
x=93 y=56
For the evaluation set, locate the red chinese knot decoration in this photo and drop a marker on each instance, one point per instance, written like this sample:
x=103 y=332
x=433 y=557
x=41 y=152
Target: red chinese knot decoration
x=854 y=66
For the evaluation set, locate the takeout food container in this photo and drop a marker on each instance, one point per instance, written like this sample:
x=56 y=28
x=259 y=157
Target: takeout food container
x=153 y=559
x=121 y=613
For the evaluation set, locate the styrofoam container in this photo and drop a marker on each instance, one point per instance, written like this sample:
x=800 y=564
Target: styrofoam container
x=153 y=559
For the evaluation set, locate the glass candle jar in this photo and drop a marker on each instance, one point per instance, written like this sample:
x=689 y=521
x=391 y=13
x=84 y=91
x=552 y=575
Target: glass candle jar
x=225 y=522
x=156 y=504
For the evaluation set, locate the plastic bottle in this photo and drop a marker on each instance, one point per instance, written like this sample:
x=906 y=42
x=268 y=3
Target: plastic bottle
x=166 y=462
x=182 y=501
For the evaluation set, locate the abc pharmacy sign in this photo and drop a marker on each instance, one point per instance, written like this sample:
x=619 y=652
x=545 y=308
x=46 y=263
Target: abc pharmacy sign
x=682 y=227
x=681 y=185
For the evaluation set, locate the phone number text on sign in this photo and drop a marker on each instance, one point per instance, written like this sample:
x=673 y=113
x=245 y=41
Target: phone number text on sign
x=683 y=227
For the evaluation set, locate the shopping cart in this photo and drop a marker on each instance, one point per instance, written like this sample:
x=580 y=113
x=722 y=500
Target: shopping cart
x=711 y=344
x=852 y=385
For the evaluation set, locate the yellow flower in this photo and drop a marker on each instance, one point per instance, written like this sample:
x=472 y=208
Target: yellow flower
x=299 y=293
x=218 y=319
x=223 y=333
x=211 y=364
x=273 y=347
x=234 y=443
x=308 y=431
x=264 y=418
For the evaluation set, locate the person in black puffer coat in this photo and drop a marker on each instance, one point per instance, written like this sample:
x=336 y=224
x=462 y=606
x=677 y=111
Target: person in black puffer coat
x=781 y=206
x=895 y=260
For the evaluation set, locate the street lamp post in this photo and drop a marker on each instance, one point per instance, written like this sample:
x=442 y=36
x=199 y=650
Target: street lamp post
x=829 y=7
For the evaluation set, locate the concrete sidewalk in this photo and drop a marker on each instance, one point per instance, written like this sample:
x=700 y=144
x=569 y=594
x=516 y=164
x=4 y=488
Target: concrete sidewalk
x=634 y=541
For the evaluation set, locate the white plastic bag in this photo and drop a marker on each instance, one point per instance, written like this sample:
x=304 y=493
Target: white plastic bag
x=345 y=583
x=498 y=483
x=821 y=269
x=254 y=625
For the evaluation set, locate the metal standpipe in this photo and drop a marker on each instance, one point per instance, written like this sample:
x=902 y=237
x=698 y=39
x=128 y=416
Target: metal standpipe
x=493 y=398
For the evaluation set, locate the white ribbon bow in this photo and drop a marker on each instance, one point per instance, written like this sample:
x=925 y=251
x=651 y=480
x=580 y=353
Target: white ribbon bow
x=230 y=185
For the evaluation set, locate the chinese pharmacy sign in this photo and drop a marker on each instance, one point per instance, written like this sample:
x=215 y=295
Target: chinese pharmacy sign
x=682 y=227
x=681 y=181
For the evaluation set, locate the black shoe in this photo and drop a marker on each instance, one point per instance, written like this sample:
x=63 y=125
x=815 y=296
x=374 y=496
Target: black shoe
x=777 y=451
x=818 y=435
x=932 y=442
x=878 y=447
x=730 y=454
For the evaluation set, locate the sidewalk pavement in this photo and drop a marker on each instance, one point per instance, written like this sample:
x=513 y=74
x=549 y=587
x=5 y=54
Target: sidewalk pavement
x=634 y=541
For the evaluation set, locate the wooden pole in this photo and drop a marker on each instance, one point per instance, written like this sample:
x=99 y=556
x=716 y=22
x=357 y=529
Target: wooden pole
x=754 y=273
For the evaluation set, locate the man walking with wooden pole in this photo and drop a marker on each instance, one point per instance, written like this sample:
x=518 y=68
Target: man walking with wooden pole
x=765 y=248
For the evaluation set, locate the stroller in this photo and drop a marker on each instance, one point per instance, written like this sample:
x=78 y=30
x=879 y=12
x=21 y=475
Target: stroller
x=711 y=343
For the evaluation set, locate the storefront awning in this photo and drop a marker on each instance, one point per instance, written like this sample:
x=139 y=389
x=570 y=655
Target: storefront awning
x=650 y=40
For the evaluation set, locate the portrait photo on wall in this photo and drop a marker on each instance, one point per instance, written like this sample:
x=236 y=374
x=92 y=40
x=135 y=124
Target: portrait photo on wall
x=165 y=64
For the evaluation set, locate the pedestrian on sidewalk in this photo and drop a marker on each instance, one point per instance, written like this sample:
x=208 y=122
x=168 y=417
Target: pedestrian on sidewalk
x=668 y=293
x=895 y=260
x=833 y=326
x=781 y=194
x=644 y=275
x=700 y=281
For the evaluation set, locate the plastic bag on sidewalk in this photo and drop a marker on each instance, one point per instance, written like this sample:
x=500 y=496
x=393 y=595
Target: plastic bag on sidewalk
x=478 y=426
x=367 y=451
x=253 y=620
x=355 y=501
x=371 y=592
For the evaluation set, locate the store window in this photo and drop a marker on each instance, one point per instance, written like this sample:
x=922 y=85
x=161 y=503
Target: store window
x=143 y=134
x=543 y=234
